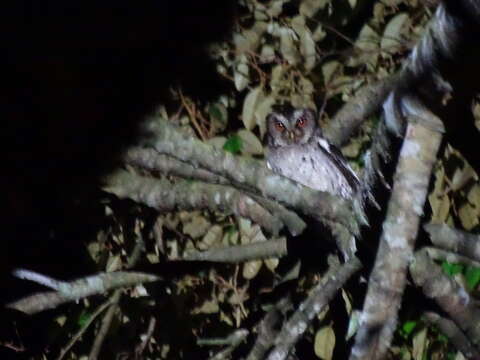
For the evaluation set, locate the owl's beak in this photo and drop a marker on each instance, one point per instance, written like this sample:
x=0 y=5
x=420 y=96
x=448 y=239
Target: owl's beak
x=291 y=135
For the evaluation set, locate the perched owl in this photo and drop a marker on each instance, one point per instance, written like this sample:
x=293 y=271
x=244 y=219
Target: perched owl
x=297 y=150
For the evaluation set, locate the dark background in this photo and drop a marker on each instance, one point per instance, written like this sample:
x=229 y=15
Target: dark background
x=76 y=80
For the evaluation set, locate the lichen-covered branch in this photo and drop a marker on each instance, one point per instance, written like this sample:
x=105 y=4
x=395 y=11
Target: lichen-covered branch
x=163 y=195
x=459 y=241
x=79 y=289
x=448 y=293
x=298 y=323
x=150 y=159
x=241 y=253
x=388 y=278
x=167 y=165
x=166 y=139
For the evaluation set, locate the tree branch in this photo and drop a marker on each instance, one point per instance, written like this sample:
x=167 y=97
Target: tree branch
x=388 y=278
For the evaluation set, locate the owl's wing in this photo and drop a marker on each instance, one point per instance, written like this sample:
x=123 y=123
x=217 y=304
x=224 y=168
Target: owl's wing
x=336 y=156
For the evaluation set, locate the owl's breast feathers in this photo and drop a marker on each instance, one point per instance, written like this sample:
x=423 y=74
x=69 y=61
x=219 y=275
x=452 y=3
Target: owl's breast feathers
x=316 y=164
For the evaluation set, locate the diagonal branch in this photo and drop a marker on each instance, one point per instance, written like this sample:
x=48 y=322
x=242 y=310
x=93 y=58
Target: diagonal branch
x=388 y=278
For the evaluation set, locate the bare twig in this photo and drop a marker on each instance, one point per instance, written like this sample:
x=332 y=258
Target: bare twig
x=241 y=253
x=84 y=327
x=298 y=323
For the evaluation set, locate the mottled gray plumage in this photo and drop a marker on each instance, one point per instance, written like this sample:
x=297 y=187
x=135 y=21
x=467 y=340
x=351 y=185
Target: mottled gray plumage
x=297 y=150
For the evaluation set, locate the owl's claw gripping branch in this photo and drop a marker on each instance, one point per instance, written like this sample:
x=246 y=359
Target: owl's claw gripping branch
x=250 y=173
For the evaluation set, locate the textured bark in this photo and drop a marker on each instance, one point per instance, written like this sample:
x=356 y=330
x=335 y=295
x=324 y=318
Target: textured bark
x=459 y=241
x=79 y=289
x=352 y=115
x=168 y=165
x=241 y=253
x=248 y=172
x=388 y=278
x=163 y=195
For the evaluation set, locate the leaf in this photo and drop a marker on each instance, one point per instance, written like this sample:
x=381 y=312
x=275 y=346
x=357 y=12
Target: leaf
x=307 y=44
x=207 y=307
x=271 y=263
x=288 y=47
x=329 y=69
x=241 y=74
x=197 y=227
x=367 y=43
x=253 y=98
x=462 y=176
x=251 y=269
x=263 y=109
x=472 y=275
x=419 y=344
x=353 y=324
x=233 y=144
x=251 y=145
x=213 y=236
x=83 y=319
x=474 y=198
x=218 y=142
x=468 y=216
x=440 y=208
x=218 y=117
x=451 y=269
x=348 y=302
x=408 y=327
x=393 y=34
x=324 y=343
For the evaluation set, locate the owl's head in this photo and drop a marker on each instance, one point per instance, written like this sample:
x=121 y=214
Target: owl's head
x=287 y=125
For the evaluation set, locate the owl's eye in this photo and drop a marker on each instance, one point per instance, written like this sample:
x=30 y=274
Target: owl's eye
x=302 y=121
x=279 y=126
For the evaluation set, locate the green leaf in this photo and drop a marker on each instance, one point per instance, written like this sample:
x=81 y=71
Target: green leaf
x=451 y=269
x=472 y=275
x=233 y=144
x=82 y=319
x=216 y=113
x=408 y=327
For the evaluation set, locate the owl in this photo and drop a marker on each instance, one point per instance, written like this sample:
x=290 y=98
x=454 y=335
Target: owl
x=297 y=150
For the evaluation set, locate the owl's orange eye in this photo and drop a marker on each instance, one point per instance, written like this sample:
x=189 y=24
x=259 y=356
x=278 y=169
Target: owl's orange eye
x=279 y=126
x=302 y=121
